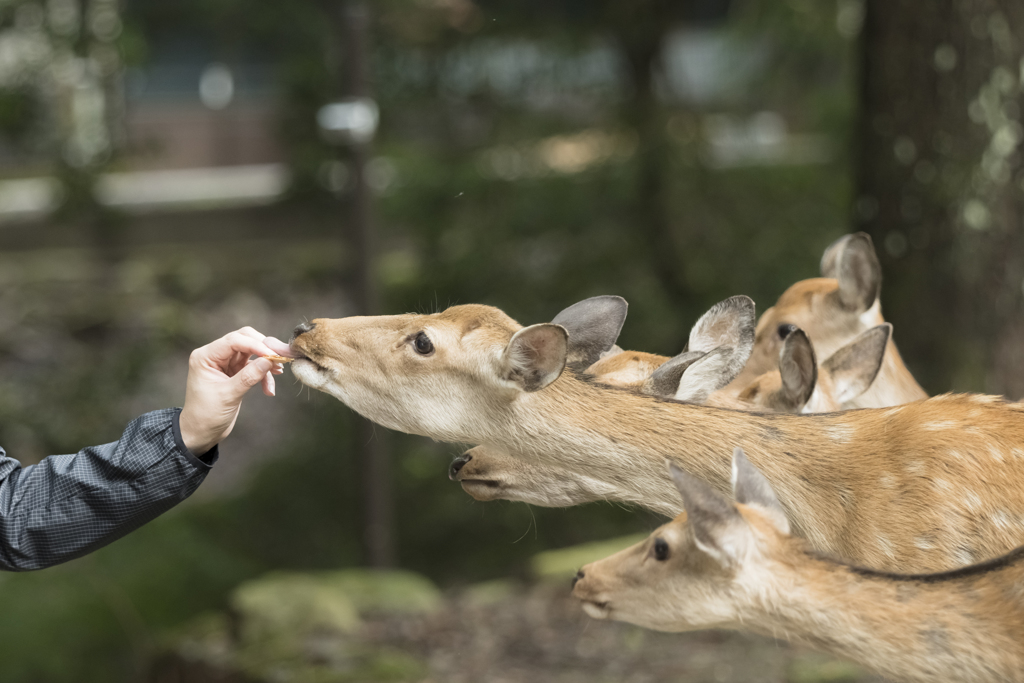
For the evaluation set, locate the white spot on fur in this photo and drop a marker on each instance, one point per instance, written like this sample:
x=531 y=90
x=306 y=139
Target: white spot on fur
x=922 y=543
x=938 y=425
x=886 y=547
x=972 y=501
x=942 y=485
x=887 y=481
x=840 y=433
x=996 y=454
x=916 y=468
x=1002 y=520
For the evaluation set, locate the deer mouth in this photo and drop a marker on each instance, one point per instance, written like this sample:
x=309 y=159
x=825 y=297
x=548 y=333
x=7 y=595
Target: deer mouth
x=303 y=360
x=310 y=373
x=596 y=610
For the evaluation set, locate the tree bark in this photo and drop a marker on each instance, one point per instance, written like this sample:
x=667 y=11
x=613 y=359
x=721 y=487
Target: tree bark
x=641 y=29
x=939 y=185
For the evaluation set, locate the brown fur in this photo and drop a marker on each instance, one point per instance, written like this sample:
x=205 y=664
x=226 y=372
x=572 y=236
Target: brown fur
x=487 y=474
x=965 y=625
x=926 y=486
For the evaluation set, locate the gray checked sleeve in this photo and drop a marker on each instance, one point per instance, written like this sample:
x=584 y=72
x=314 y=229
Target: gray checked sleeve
x=68 y=505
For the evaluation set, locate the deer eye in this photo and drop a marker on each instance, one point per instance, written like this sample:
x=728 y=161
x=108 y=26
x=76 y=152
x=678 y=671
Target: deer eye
x=421 y=342
x=786 y=329
x=660 y=549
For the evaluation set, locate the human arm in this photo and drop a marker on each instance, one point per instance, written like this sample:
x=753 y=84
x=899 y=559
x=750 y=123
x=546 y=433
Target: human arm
x=68 y=505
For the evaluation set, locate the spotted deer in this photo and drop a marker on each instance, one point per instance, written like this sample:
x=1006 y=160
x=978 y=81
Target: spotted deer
x=833 y=310
x=735 y=565
x=924 y=486
x=798 y=386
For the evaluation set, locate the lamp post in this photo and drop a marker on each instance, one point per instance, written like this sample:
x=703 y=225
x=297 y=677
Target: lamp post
x=352 y=123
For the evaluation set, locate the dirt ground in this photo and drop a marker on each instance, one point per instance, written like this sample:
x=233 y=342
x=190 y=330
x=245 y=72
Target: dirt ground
x=540 y=634
x=503 y=633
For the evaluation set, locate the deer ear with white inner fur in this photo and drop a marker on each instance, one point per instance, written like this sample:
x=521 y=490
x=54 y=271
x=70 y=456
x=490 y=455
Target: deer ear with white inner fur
x=535 y=356
x=593 y=325
x=664 y=381
x=718 y=528
x=854 y=367
x=750 y=487
x=728 y=323
x=852 y=261
x=706 y=375
x=726 y=335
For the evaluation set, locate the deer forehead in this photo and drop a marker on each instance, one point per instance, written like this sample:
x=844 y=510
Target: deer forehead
x=765 y=384
x=470 y=327
x=802 y=304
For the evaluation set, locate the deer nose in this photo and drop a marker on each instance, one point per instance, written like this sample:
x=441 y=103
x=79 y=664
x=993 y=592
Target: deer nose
x=302 y=328
x=575 y=579
x=457 y=464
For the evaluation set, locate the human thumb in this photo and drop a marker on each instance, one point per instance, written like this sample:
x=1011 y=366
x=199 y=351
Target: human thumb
x=251 y=375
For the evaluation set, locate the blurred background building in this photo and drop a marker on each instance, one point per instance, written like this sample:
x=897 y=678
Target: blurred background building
x=164 y=180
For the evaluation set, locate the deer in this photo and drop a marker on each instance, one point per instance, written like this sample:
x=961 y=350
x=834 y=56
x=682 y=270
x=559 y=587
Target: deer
x=833 y=310
x=923 y=486
x=798 y=386
x=736 y=565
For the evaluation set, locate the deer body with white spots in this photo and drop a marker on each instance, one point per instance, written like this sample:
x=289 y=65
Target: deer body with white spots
x=722 y=564
x=860 y=484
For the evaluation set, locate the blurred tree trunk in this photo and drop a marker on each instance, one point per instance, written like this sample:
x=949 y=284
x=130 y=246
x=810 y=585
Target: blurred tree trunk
x=640 y=29
x=371 y=444
x=939 y=185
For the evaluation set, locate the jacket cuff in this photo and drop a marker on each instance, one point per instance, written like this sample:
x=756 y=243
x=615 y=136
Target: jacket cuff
x=204 y=461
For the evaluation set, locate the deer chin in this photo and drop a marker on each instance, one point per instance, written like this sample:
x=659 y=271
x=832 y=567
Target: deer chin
x=310 y=373
x=597 y=610
x=482 y=489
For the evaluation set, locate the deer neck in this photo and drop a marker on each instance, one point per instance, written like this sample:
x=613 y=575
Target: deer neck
x=624 y=438
x=893 y=386
x=965 y=625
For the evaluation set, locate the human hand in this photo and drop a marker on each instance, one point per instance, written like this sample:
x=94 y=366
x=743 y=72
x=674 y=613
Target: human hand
x=219 y=375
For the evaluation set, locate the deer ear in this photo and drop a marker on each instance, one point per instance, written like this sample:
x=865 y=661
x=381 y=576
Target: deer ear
x=535 y=356
x=718 y=528
x=593 y=325
x=750 y=487
x=798 y=369
x=726 y=335
x=613 y=351
x=852 y=261
x=707 y=374
x=854 y=367
x=727 y=323
x=664 y=381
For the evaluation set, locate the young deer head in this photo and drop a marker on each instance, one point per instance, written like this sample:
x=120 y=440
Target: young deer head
x=725 y=564
x=708 y=559
x=833 y=310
